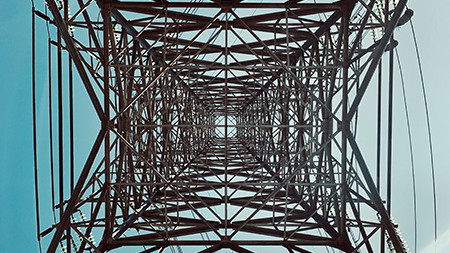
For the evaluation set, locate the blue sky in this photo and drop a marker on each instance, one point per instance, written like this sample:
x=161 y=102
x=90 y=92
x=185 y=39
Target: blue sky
x=17 y=213
x=16 y=185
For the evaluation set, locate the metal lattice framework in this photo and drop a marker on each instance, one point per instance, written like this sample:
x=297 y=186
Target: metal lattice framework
x=224 y=124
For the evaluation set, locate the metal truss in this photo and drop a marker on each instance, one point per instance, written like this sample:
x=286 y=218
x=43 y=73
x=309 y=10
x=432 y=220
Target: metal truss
x=224 y=124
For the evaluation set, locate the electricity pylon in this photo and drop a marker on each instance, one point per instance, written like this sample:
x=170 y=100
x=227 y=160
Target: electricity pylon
x=225 y=124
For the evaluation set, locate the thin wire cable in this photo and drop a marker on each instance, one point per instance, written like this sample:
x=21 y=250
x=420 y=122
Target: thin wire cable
x=411 y=153
x=430 y=142
x=35 y=156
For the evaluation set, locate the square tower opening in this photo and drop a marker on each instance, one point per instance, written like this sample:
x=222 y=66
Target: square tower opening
x=225 y=126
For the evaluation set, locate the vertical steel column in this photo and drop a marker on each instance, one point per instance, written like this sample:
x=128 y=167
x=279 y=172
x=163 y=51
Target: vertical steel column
x=71 y=172
x=379 y=104
x=105 y=123
x=71 y=130
x=379 y=96
x=35 y=157
x=50 y=123
x=60 y=128
x=345 y=122
x=390 y=112
x=226 y=124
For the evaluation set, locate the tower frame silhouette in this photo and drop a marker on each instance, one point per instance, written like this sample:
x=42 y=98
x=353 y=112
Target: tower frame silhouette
x=223 y=124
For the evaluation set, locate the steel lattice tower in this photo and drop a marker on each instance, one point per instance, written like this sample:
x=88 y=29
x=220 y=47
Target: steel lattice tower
x=225 y=124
